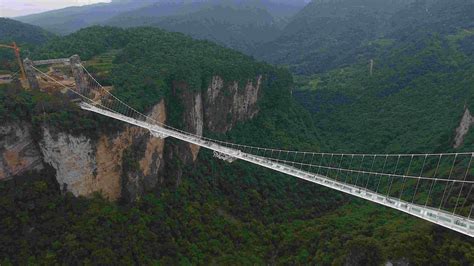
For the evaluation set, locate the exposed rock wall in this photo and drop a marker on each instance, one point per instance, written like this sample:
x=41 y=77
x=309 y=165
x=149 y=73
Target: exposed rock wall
x=150 y=154
x=85 y=166
x=227 y=105
x=73 y=159
x=19 y=153
x=127 y=163
x=218 y=109
x=467 y=121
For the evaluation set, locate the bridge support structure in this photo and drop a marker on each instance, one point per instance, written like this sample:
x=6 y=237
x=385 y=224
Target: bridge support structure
x=78 y=73
x=224 y=157
x=76 y=67
x=30 y=75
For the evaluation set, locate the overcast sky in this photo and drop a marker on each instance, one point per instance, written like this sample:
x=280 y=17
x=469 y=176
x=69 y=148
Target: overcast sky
x=13 y=8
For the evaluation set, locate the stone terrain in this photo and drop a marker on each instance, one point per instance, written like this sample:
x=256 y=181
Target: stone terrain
x=127 y=163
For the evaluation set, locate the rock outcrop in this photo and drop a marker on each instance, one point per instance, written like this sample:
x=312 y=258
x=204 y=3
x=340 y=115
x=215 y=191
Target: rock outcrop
x=467 y=121
x=85 y=166
x=227 y=105
x=127 y=163
x=19 y=153
x=218 y=109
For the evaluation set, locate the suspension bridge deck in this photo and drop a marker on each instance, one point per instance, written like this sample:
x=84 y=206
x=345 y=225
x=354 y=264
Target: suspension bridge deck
x=446 y=219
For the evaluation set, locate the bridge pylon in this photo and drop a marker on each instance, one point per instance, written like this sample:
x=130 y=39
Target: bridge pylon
x=31 y=75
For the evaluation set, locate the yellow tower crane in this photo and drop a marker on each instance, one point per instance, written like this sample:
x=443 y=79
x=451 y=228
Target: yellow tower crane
x=16 y=49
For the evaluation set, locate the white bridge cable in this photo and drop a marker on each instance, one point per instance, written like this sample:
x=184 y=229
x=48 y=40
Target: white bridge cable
x=147 y=118
x=414 y=178
x=374 y=173
x=292 y=158
x=131 y=111
x=255 y=147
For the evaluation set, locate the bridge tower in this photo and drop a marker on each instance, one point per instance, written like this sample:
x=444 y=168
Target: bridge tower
x=76 y=67
x=31 y=74
x=78 y=73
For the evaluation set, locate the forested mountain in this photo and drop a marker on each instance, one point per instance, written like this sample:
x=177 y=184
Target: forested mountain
x=218 y=213
x=26 y=36
x=70 y=19
x=328 y=33
x=421 y=72
x=236 y=23
x=150 y=14
x=22 y=33
x=178 y=206
x=239 y=24
x=241 y=28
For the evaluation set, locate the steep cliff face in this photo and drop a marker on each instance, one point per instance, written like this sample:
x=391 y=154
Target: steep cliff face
x=225 y=105
x=127 y=163
x=467 y=121
x=19 y=153
x=149 y=153
x=85 y=166
x=217 y=109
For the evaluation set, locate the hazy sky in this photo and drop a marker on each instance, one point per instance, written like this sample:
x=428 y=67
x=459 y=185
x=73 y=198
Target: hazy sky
x=13 y=8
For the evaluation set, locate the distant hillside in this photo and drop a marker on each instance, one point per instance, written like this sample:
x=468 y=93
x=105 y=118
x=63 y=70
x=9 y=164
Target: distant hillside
x=241 y=28
x=145 y=12
x=328 y=33
x=239 y=24
x=414 y=100
x=71 y=19
x=25 y=35
x=150 y=14
x=22 y=33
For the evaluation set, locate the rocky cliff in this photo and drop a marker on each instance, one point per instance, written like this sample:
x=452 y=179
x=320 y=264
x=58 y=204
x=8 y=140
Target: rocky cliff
x=227 y=105
x=19 y=153
x=467 y=121
x=85 y=166
x=127 y=163
x=217 y=109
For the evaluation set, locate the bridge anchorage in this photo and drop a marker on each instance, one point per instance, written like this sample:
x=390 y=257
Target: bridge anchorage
x=224 y=157
x=437 y=188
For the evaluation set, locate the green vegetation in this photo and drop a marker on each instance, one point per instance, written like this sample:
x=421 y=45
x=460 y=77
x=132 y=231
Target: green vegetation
x=412 y=103
x=26 y=36
x=239 y=24
x=327 y=34
x=70 y=19
x=214 y=219
x=239 y=213
x=240 y=28
x=54 y=110
x=22 y=33
x=163 y=58
x=15 y=104
x=332 y=34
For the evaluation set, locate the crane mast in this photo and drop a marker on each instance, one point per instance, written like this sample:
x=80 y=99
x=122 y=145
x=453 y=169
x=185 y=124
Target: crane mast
x=16 y=50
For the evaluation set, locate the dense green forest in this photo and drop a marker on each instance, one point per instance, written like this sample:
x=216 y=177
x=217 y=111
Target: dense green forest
x=240 y=28
x=162 y=57
x=330 y=34
x=415 y=97
x=12 y=30
x=238 y=24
